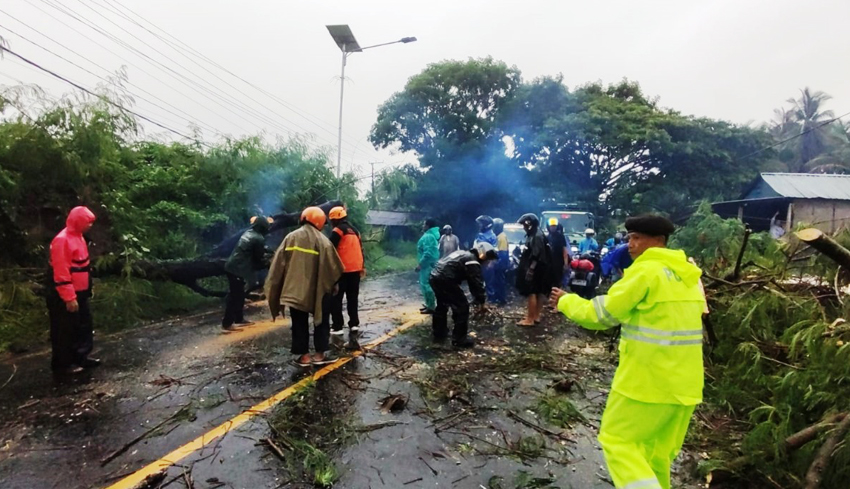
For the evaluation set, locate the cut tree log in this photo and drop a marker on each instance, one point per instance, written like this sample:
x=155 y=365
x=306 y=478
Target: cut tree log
x=188 y=272
x=821 y=461
x=818 y=240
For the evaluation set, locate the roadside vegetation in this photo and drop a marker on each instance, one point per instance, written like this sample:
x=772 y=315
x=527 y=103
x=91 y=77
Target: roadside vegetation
x=778 y=365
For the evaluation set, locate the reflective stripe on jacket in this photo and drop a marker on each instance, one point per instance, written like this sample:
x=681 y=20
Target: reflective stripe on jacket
x=659 y=305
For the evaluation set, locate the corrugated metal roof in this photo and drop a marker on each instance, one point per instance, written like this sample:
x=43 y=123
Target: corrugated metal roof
x=392 y=218
x=809 y=185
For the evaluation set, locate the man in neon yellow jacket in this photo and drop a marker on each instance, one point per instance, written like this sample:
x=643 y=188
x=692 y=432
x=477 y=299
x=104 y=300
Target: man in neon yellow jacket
x=659 y=380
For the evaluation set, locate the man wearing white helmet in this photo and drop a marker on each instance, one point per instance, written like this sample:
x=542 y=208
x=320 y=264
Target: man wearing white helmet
x=588 y=244
x=448 y=274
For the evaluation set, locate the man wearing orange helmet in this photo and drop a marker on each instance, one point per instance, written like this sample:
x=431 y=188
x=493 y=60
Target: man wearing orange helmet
x=346 y=240
x=302 y=276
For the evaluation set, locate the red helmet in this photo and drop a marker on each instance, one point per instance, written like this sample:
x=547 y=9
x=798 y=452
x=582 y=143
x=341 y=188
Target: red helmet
x=314 y=216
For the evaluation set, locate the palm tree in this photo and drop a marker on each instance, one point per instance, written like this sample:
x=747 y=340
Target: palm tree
x=836 y=159
x=808 y=115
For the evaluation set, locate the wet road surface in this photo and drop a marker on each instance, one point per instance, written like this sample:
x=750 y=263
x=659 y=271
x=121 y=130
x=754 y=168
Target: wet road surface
x=163 y=386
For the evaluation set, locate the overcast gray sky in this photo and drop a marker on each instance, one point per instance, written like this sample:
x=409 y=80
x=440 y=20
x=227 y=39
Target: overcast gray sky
x=729 y=59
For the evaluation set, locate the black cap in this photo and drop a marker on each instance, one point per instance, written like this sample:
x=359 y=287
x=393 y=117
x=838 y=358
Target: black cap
x=651 y=225
x=430 y=223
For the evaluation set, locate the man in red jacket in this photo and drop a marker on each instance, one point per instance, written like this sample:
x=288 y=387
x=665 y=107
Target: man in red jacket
x=68 y=297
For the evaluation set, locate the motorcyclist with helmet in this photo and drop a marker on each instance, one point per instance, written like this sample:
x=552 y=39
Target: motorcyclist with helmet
x=502 y=264
x=446 y=277
x=486 y=235
x=617 y=240
x=588 y=244
x=533 y=276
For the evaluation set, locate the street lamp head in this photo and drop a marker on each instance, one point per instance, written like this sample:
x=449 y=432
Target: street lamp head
x=407 y=39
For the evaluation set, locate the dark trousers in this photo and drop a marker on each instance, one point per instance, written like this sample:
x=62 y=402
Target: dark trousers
x=301 y=330
x=450 y=295
x=500 y=282
x=70 y=332
x=349 y=286
x=489 y=274
x=234 y=303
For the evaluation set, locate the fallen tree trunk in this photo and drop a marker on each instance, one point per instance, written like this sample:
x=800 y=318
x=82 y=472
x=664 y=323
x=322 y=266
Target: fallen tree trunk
x=821 y=461
x=188 y=272
x=818 y=240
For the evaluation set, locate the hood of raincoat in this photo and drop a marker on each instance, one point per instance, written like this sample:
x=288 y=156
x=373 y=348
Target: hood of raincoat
x=78 y=219
x=675 y=261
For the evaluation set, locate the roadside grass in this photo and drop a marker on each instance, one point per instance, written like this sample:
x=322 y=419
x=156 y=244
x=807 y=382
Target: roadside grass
x=118 y=304
x=390 y=257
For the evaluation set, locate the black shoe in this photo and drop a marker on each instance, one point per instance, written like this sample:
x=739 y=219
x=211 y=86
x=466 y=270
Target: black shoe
x=91 y=363
x=463 y=343
x=426 y=311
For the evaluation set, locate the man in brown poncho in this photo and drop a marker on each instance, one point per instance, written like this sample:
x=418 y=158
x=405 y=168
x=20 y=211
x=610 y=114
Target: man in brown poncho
x=302 y=276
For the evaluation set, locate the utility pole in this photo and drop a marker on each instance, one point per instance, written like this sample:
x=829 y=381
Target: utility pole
x=374 y=200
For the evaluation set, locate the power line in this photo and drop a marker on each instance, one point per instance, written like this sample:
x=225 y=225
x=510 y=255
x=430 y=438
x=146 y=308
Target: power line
x=795 y=136
x=182 y=78
x=130 y=63
x=86 y=90
x=243 y=105
x=188 y=119
x=280 y=101
x=181 y=52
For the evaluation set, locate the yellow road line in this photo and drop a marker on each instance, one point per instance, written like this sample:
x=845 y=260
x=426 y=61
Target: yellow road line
x=240 y=419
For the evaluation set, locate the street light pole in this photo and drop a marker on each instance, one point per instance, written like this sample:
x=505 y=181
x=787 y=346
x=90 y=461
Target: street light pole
x=344 y=38
x=341 y=98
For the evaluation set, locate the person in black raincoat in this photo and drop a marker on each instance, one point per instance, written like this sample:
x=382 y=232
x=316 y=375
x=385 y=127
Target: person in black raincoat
x=560 y=252
x=247 y=257
x=446 y=277
x=534 y=278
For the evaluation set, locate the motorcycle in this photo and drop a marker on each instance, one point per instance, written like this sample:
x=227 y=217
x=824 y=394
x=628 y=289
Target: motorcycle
x=585 y=275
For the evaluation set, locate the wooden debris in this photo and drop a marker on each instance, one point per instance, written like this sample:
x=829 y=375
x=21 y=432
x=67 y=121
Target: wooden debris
x=821 y=461
x=393 y=403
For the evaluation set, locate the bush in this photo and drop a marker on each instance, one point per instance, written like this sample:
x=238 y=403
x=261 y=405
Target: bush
x=779 y=364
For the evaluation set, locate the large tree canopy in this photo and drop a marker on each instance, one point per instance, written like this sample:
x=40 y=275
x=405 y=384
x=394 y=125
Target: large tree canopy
x=491 y=144
x=447 y=111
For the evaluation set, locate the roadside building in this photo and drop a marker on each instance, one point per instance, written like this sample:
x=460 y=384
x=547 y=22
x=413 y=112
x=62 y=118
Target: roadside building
x=778 y=202
x=395 y=224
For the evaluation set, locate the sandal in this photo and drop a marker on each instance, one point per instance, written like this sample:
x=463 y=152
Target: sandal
x=326 y=360
x=298 y=362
